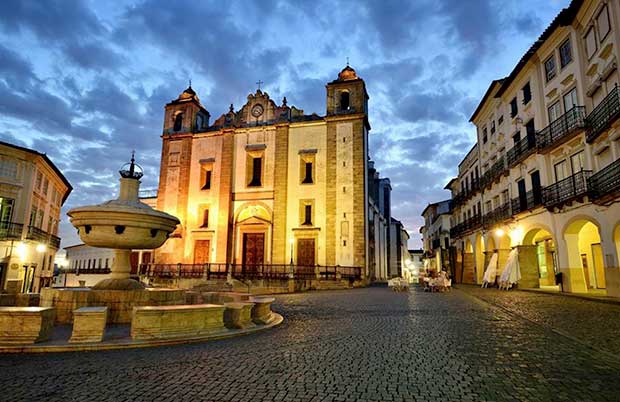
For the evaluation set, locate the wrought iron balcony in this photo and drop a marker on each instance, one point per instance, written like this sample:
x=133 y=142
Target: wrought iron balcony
x=561 y=128
x=470 y=224
x=499 y=214
x=11 y=231
x=521 y=150
x=54 y=241
x=606 y=181
x=34 y=233
x=529 y=202
x=603 y=115
x=494 y=172
x=566 y=190
x=467 y=193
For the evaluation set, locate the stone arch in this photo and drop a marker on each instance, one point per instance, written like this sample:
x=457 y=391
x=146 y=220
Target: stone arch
x=468 y=263
x=262 y=211
x=584 y=267
x=480 y=257
x=537 y=257
x=468 y=246
x=253 y=234
x=490 y=247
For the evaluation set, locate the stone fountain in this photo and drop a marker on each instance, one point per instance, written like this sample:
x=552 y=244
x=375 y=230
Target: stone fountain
x=122 y=224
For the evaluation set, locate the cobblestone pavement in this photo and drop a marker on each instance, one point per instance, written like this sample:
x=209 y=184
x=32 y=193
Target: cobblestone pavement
x=361 y=345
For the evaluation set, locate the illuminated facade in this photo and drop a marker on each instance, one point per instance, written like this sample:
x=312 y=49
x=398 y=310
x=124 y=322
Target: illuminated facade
x=544 y=175
x=32 y=191
x=268 y=184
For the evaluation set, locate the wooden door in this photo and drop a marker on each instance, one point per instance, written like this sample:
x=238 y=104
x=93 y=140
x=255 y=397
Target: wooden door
x=134 y=257
x=202 y=251
x=599 y=266
x=253 y=249
x=305 y=252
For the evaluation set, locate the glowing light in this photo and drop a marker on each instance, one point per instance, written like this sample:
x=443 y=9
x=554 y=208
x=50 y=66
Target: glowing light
x=407 y=262
x=41 y=248
x=21 y=250
x=499 y=232
x=291 y=241
x=516 y=234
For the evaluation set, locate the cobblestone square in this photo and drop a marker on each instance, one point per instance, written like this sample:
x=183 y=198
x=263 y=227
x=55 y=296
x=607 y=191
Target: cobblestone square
x=363 y=345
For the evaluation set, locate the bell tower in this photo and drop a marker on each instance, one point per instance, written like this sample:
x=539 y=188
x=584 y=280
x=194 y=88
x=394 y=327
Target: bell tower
x=347 y=94
x=186 y=114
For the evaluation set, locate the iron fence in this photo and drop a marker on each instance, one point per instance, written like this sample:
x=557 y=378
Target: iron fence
x=603 y=115
x=567 y=189
x=605 y=181
x=560 y=128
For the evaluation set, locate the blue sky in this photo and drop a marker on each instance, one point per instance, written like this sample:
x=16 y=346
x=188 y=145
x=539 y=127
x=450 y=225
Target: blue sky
x=87 y=81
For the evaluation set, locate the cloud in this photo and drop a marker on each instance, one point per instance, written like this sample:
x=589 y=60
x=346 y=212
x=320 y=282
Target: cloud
x=87 y=82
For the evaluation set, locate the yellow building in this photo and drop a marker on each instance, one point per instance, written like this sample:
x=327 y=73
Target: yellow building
x=32 y=191
x=544 y=176
x=268 y=184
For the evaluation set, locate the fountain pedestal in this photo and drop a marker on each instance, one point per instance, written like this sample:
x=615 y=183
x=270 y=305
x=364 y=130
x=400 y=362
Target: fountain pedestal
x=123 y=224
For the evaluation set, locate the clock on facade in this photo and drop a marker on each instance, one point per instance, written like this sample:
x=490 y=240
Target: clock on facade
x=257 y=110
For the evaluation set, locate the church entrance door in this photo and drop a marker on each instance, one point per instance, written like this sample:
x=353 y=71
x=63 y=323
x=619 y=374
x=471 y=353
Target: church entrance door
x=202 y=251
x=253 y=251
x=305 y=252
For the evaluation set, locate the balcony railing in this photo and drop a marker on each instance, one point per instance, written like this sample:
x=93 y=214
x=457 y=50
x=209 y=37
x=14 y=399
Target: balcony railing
x=467 y=193
x=494 y=172
x=521 y=150
x=530 y=201
x=248 y=271
x=603 y=115
x=561 y=128
x=470 y=224
x=566 y=190
x=605 y=181
x=34 y=233
x=499 y=214
x=11 y=231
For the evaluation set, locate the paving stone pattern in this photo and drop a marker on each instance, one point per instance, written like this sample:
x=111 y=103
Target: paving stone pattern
x=360 y=345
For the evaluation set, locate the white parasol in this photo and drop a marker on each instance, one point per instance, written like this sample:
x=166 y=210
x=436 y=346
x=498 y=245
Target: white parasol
x=512 y=272
x=491 y=271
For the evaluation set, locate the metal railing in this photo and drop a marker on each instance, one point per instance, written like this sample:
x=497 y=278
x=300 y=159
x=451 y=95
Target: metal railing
x=560 y=128
x=248 y=271
x=34 y=233
x=499 y=214
x=467 y=192
x=566 y=190
x=498 y=168
x=521 y=150
x=530 y=201
x=469 y=224
x=11 y=230
x=54 y=241
x=605 y=181
x=603 y=115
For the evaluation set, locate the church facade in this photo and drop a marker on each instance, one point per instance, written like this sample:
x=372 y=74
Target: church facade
x=268 y=184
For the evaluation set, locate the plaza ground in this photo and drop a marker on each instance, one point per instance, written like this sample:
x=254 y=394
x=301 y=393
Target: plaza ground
x=361 y=345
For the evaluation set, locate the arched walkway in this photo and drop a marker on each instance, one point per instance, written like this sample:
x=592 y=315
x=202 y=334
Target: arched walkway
x=480 y=258
x=468 y=267
x=537 y=259
x=503 y=249
x=585 y=270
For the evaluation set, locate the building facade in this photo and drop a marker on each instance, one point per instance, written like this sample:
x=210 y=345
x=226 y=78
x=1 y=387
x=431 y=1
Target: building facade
x=379 y=218
x=548 y=153
x=32 y=191
x=436 y=235
x=268 y=184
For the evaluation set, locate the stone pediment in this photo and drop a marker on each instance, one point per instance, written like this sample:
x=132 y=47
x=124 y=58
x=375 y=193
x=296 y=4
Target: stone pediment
x=259 y=110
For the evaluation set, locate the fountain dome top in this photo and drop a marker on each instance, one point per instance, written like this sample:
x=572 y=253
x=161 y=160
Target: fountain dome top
x=131 y=170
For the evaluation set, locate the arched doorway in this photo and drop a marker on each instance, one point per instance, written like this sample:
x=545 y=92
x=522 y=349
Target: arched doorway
x=252 y=237
x=586 y=268
x=537 y=258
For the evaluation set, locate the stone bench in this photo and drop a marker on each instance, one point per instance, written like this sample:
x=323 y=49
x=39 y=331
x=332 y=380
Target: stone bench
x=89 y=324
x=261 y=312
x=238 y=315
x=26 y=325
x=162 y=322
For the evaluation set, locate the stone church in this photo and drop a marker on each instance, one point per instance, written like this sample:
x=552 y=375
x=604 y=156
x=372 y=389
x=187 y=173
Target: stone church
x=268 y=184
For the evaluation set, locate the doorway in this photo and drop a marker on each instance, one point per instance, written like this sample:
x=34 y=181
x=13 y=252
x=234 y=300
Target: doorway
x=202 y=251
x=305 y=252
x=253 y=250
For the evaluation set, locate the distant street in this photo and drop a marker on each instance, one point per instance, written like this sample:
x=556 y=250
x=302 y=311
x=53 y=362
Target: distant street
x=361 y=345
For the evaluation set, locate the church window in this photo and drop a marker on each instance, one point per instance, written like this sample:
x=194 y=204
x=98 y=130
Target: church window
x=205 y=218
x=308 y=215
x=308 y=171
x=178 y=122
x=344 y=100
x=257 y=167
x=206 y=183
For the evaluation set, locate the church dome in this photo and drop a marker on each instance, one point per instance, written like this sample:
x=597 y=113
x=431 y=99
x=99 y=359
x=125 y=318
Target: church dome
x=189 y=93
x=347 y=74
